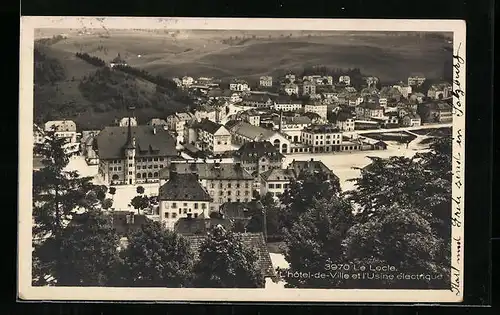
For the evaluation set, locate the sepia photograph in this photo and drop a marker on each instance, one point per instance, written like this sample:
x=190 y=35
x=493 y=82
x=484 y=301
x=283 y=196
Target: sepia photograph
x=172 y=159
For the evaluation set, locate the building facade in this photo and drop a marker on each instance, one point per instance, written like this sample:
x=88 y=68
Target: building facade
x=266 y=81
x=369 y=110
x=133 y=154
x=257 y=157
x=243 y=132
x=276 y=181
x=322 y=138
x=411 y=120
x=308 y=88
x=62 y=129
x=320 y=109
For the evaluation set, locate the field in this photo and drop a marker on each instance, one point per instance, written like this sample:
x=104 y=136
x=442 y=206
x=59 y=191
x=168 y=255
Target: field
x=233 y=53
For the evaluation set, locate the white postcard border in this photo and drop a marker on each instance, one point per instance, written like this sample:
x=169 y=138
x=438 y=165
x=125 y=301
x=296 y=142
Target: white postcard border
x=27 y=292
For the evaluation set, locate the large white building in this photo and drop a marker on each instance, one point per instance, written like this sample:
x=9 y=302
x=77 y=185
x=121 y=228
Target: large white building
x=320 y=109
x=239 y=85
x=207 y=135
x=266 y=81
x=276 y=181
x=182 y=196
x=322 y=138
x=286 y=104
x=293 y=126
x=62 y=129
x=243 y=132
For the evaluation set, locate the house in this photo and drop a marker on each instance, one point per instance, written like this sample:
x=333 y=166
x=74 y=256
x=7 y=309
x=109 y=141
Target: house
x=176 y=123
x=392 y=120
x=206 y=112
x=315 y=118
x=257 y=100
x=240 y=213
x=251 y=116
x=404 y=89
x=411 y=120
x=291 y=89
x=345 y=79
x=435 y=112
x=177 y=82
x=286 y=104
x=276 y=181
x=62 y=129
x=87 y=146
x=310 y=167
x=252 y=241
x=224 y=182
x=127 y=120
x=215 y=94
x=180 y=195
x=236 y=98
x=317 y=108
x=158 y=122
x=417 y=97
x=257 y=157
x=200 y=225
x=344 y=121
x=322 y=138
x=117 y=61
x=439 y=91
x=207 y=135
x=266 y=81
x=355 y=100
x=244 y=132
x=308 y=88
x=371 y=81
x=382 y=101
x=187 y=81
x=290 y=77
x=416 y=80
x=368 y=110
x=133 y=154
x=239 y=85
x=293 y=126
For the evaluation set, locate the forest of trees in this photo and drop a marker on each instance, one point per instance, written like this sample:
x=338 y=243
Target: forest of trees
x=47 y=70
x=95 y=61
x=167 y=85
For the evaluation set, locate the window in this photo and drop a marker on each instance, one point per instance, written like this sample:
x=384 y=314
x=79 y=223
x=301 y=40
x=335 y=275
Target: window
x=247 y=192
x=220 y=185
x=174 y=205
x=271 y=185
x=161 y=159
x=221 y=193
x=130 y=158
x=180 y=211
x=185 y=211
x=246 y=185
x=237 y=193
x=229 y=193
x=278 y=185
x=228 y=185
x=130 y=173
x=185 y=204
x=196 y=215
x=238 y=185
x=196 y=205
x=203 y=206
x=174 y=215
x=212 y=185
x=144 y=167
x=166 y=215
x=150 y=166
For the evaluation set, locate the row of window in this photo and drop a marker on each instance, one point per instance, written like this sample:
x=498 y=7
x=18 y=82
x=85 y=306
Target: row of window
x=139 y=160
x=173 y=215
x=309 y=136
x=221 y=193
x=229 y=185
x=196 y=205
x=278 y=186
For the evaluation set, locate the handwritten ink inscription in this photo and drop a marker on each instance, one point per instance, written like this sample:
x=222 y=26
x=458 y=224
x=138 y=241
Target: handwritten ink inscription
x=458 y=94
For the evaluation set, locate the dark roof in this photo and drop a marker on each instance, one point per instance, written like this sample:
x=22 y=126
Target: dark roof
x=208 y=125
x=279 y=174
x=198 y=226
x=250 y=131
x=322 y=129
x=231 y=123
x=239 y=210
x=125 y=222
x=304 y=120
x=256 y=98
x=312 y=115
x=285 y=99
x=343 y=116
x=310 y=167
x=441 y=106
x=111 y=142
x=184 y=186
x=254 y=150
x=208 y=171
x=250 y=240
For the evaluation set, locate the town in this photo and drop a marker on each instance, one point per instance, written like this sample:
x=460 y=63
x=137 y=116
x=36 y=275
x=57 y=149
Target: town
x=244 y=142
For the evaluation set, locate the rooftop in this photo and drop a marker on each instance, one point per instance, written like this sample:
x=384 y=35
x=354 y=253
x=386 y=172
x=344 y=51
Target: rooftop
x=150 y=142
x=322 y=129
x=279 y=175
x=60 y=125
x=198 y=226
x=226 y=171
x=207 y=125
x=254 y=150
x=301 y=120
x=249 y=131
x=125 y=222
x=310 y=167
x=183 y=186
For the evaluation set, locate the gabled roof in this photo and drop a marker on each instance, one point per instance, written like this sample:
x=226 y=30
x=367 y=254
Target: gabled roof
x=310 y=167
x=226 y=171
x=125 y=222
x=60 y=125
x=207 y=125
x=301 y=120
x=157 y=122
x=239 y=210
x=185 y=187
x=111 y=142
x=279 y=174
x=250 y=131
x=370 y=105
x=250 y=240
x=343 y=116
x=252 y=151
x=322 y=129
x=264 y=98
x=198 y=226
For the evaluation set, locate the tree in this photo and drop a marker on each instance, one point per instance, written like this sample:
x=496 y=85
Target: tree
x=112 y=191
x=314 y=242
x=402 y=238
x=89 y=255
x=107 y=203
x=140 y=190
x=57 y=193
x=271 y=210
x=301 y=193
x=156 y=257
x=140 y=203
x=224 y=262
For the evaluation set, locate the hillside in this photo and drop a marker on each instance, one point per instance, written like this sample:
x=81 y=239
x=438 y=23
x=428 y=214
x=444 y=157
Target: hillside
x=228 y=54
x=68 y=87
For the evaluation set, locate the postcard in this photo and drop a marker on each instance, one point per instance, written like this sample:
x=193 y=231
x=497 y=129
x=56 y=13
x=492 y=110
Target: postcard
x=241 y=160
